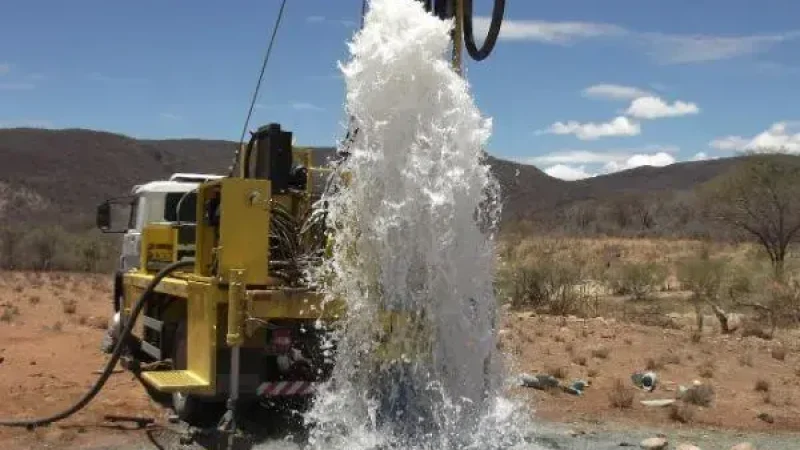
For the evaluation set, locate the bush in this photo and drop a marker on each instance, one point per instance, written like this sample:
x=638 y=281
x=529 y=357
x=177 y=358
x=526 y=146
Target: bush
x=543 y=282
x=621 y=396
x=638 y=279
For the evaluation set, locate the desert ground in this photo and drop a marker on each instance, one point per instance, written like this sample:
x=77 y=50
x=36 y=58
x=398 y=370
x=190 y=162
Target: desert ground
x=51 y=325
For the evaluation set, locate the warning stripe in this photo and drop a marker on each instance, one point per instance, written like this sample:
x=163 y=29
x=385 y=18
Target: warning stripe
x=285 y=388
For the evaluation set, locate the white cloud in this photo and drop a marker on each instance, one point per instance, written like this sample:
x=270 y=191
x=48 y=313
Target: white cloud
x=170 y=116
x=323 y=19
x=614 y=92
x=302 y=106
x=700 y=156
x=662 y=47
x=619 y=126
x=568 y=173
x=683 y=49
x=654 y=108
x=784 y=135
x=17 y=86
x=579 y=164
x=5 y=68
x=549 y=32
x=659 y=159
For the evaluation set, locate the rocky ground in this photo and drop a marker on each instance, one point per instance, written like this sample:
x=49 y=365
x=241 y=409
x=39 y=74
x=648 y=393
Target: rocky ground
x=51 y=326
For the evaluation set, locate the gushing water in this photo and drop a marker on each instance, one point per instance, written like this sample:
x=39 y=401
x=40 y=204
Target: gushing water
x=413 y=211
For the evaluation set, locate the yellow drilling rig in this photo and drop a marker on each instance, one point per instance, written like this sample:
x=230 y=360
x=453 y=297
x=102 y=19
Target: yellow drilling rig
x=211 y=304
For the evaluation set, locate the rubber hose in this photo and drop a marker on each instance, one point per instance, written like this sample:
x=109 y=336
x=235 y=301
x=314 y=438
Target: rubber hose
x=494 y=30
x=109 y=369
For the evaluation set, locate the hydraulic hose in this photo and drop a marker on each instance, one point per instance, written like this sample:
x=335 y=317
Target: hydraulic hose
x=117 y=353
x=494 y=30
x=446 y=9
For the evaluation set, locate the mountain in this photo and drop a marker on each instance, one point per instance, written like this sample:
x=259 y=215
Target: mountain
x=66 y=173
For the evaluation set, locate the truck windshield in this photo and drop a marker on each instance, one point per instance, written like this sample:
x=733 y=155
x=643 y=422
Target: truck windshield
x=187 y=207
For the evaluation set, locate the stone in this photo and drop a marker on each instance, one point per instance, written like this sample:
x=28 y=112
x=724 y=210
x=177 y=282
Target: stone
x=687 y=447
x=744 y=446
x=659 y=402
x=654 y=443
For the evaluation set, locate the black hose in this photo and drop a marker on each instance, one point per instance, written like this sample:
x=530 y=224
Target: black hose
x=445 y=9
x=494 y=30
x=109 y=369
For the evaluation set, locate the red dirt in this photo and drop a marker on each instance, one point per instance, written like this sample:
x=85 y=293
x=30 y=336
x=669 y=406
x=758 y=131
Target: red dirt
x=540 y=344
x=48 y=360
x=46 y=367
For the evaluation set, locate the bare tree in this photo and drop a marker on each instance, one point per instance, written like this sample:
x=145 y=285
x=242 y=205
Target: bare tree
x=760 y=198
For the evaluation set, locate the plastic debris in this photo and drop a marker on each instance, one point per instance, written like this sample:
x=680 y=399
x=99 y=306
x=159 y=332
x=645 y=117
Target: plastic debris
x=645 y=380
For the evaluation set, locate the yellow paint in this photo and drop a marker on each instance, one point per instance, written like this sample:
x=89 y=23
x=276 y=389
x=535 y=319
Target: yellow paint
x=244 y=229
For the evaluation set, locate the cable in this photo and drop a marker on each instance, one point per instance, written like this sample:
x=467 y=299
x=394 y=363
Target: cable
x=109 y=369
x=258 y=84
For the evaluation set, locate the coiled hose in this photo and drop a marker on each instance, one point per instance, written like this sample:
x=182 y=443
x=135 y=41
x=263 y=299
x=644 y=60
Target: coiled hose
x=445 y=9
x=109 y=369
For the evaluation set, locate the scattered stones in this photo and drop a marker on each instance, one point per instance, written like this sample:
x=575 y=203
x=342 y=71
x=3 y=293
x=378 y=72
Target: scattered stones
x=654 y=443
x=744 y=446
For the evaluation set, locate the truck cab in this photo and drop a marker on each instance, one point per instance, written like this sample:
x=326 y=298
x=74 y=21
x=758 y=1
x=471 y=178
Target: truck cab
x=160 y=201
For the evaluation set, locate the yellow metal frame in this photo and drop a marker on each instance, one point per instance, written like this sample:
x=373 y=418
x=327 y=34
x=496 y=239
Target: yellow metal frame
x=237 y=251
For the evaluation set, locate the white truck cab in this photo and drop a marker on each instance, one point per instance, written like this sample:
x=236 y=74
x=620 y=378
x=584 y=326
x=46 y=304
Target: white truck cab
x=153 y=202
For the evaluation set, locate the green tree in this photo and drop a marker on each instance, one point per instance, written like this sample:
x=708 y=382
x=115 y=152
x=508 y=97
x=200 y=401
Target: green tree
x=760 y=199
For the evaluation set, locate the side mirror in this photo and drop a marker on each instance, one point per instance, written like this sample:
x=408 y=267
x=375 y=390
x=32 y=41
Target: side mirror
x=104 y=216
x=109 y=212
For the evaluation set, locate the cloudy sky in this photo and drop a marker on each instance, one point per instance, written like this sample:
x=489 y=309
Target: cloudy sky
x=577 y=88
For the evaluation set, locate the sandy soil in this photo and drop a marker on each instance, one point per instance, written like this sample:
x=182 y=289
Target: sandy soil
x=604 y=350
x=52 y=325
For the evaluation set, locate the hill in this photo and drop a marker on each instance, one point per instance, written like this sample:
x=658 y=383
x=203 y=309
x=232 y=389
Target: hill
x=66 y=173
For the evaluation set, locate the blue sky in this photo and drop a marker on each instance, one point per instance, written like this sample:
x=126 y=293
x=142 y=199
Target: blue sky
x=576 y=87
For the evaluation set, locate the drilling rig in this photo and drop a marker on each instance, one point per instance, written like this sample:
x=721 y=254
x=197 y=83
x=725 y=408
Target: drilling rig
x=211 y=304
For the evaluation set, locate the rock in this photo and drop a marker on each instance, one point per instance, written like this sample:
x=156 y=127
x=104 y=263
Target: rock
x=539 y=381
x=766 y=418
x=744 y=446
x=687 y=447
x=659 y=402
x=654 y=443
x=576 y=433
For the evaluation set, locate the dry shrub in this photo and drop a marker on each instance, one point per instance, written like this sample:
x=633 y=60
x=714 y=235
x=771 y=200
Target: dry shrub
x=34 y=299
x=69 y=306
x=536 y=276
x=559 y=372
x=9 y=313
x=706 y=369
x=570 y=347
x=700 y=395
x=670 y=358
x=653 y=364
x=746 y=360
x=762 y=385
x=621 y=395
x=696 y=337
x=592 y=373
x=579 y=360
x=638 y=279
x=682 y=412
x=601 y=352
x=751 y=329
x=779 y=352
